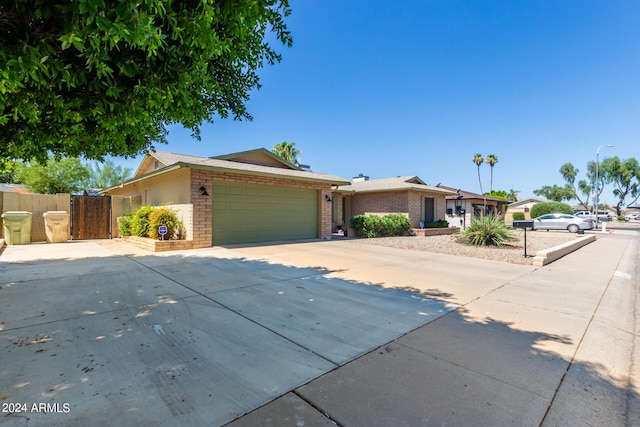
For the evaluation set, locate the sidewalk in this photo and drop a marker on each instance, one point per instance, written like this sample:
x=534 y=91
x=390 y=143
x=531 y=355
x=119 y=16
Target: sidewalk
x=552 y=347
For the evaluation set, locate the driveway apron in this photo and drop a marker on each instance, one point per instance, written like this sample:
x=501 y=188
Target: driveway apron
x=88 y=336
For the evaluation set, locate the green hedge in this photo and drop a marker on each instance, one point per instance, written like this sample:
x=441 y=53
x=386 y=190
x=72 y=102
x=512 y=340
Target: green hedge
x=441 y=223
x=544 y=208
x=375 y=226
x=518 y=216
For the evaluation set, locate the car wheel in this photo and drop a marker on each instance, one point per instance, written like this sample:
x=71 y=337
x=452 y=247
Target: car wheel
x=573 y=228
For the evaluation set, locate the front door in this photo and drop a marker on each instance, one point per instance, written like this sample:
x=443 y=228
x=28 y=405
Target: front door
x=429 y=209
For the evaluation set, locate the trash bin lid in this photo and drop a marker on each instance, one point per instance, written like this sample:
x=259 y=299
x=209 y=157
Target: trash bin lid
x=55 y=213
x=16 y=215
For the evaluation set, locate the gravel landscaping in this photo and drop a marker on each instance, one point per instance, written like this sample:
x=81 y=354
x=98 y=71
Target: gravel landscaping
x=454 y=245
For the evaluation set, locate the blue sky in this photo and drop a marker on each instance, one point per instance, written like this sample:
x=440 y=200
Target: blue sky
x=418 y=87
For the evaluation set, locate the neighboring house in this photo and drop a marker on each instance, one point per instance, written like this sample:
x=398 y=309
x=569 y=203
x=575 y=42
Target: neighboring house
x=463 y=205
x=408 y=195
x=246 y=197
x=14 y=188
x=523 y=206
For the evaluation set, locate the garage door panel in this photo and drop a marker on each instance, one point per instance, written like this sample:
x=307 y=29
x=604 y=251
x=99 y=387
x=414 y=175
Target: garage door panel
x=244 y=213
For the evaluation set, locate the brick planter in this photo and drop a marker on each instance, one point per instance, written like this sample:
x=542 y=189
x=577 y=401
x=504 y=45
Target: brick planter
x=158 y=245
x=433 y=231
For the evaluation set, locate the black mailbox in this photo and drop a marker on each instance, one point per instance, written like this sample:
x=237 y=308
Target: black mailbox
x=523 y=223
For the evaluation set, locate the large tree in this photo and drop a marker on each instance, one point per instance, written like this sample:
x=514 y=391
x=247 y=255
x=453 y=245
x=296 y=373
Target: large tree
x=8 y=170
x=53 y=176
x=570 y=174
x=478 y=159
x=491 y=160
x=107 y=174
x=555 y=193
x=624 y=175
x=96 y=77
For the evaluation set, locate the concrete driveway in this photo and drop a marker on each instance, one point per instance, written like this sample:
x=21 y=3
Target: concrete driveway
x=90 y=333
x=314 y=333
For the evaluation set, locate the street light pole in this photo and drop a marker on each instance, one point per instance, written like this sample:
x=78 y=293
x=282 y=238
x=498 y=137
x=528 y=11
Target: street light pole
x=597 y=181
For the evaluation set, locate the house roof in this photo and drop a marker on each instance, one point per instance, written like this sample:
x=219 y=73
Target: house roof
x=461 y=194
x=398 y=183
x=14 y=188
x=525 y=201
x=259 y=162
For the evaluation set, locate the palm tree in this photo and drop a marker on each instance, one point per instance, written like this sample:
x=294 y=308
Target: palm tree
x=478 y=160
x=513 y=195
x=491 y=160
x=287 y=151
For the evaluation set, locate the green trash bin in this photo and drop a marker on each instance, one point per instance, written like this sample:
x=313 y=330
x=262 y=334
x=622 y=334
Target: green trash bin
x=17 y=227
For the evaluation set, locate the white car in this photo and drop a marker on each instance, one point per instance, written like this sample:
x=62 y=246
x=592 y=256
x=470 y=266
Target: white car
x=560 y=221
x=635 y=216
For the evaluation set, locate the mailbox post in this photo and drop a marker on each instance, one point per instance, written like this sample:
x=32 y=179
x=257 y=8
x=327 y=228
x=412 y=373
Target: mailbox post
x=524 y=223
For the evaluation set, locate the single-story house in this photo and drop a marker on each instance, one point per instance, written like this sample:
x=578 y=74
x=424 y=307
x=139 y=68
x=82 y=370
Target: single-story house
x=523 y=206
x=245 y=197
x=408 y=195
x=462 y=205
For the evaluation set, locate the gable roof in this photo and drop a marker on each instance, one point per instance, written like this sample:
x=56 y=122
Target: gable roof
x=259 y=156
x=525 y=202
x=462 y=195
x=257 y=162
x=398 y=183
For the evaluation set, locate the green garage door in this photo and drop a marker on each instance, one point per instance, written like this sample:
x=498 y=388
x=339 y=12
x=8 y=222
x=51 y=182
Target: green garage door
x=244 y=213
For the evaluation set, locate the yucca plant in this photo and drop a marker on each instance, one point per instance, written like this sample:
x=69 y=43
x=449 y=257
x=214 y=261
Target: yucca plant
x=488 y=230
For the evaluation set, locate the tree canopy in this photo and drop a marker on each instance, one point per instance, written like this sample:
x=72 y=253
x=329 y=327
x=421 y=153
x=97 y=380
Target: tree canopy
x=107 y=174
x=96 y=77
x=555 y=193
x=624 y=175
x=54 y=176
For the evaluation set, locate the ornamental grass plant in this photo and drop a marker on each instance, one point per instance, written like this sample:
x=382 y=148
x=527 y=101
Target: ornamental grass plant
x=488 y=230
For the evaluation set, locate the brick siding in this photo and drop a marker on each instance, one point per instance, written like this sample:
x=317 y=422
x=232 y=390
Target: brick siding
x=406 y=202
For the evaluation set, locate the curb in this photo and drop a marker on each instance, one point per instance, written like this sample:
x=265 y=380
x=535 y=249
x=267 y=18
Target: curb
x=547 y=256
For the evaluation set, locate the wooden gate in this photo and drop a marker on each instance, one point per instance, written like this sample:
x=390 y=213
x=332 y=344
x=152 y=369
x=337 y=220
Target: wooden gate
x=90 y=217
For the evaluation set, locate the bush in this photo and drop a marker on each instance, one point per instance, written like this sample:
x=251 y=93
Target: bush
x=621 y=218
x=375 y=226
x=124 y=224
x=396 y=224
x=488 y=230
x=441 y=223
x=140 y=222
x=544 y=208
x=166 y=217
x=518 y=216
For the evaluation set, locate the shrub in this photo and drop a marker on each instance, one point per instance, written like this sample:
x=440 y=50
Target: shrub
x=166 y=217
x=124 y=224
x=544 y=208
x=441 y=223
x=488 y=230
x=518 y=216
x=375 y=226
x=396 y=224
x=140 y=222
x=621 y=218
